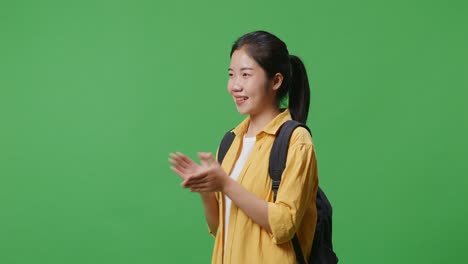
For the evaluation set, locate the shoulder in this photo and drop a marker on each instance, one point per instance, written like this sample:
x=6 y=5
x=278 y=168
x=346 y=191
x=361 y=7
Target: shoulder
x=301 y=136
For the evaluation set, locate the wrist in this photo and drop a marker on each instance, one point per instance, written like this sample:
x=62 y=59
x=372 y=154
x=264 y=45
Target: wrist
x=227 y=185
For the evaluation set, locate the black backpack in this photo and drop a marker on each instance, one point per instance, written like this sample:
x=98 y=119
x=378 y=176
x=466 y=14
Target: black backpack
x=322 y=247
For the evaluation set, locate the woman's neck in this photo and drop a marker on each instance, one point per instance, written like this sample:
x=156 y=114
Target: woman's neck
x=258 y=122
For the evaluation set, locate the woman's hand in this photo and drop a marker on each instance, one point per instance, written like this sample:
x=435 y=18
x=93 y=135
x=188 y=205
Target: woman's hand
x=207 y=177
x=210 y=177
x=188 y=170
x=183 y=165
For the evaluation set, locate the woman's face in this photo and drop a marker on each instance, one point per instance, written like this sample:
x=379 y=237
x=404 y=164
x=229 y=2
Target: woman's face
x=248 y=85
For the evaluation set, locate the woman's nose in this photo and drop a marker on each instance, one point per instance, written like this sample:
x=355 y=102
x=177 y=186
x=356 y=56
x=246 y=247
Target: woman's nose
x=236 y=86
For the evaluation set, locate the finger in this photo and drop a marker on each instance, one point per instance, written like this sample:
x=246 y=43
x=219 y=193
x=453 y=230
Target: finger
x=181 y=162
x=177 y=165
x=178 y=172
x=181 y=159
x=211 y=159
x=190 y=182
x=203 y=155
x=185 y=159
x=206 y=157
x=200 y=188
x=194 y=180
x=173 y=161
x=202 y=159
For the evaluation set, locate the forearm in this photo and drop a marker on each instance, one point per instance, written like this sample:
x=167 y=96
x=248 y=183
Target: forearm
x=211 y=210
x=251 y=205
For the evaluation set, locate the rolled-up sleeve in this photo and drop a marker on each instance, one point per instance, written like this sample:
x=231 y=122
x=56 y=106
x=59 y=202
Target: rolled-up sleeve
x=297 y=189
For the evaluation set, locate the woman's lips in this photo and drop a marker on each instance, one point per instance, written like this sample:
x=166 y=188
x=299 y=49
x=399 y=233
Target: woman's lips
x=241 y=100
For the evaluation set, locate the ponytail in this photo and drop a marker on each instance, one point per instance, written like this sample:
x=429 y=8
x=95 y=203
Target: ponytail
x=299 y=91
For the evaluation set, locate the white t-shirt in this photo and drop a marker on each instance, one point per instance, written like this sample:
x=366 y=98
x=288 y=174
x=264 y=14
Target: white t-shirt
x=247 y=146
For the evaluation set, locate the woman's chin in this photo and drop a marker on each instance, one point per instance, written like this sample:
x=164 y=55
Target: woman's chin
x=242 y=111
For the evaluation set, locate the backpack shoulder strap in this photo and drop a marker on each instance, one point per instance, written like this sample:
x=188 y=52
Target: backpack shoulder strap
x=278 y=155
x=225 y=145
x=279 y=152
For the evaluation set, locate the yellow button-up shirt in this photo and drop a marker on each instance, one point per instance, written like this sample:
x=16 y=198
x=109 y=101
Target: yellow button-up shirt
x=294 y=210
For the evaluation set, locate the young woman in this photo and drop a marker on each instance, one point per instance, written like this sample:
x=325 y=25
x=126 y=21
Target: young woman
x=249 y=226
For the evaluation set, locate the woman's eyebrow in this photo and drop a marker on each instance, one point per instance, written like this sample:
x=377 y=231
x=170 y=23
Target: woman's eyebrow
x=242 y=69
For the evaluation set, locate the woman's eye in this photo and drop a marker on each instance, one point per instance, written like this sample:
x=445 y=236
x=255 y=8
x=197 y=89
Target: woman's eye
x=246 y=74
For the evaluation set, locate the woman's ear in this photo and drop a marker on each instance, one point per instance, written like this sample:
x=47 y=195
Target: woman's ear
x=277 y=81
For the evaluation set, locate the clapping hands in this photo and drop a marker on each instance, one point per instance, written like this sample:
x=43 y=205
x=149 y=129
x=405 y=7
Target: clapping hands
x=208 y=176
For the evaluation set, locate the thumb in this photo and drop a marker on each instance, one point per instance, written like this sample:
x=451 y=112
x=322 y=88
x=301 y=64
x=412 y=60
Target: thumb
x=208 y=157
x=202 y=159
x=211 y=159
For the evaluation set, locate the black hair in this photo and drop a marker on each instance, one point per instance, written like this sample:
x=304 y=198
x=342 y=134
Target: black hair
x=272 y=55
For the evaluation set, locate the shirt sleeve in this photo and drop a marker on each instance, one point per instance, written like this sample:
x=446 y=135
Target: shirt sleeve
x=297 y=190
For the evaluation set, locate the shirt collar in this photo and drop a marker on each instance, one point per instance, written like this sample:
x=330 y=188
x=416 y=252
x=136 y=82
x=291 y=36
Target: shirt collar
x=271 y=128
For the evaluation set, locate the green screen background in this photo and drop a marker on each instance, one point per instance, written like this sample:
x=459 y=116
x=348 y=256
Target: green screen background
x=95 y=94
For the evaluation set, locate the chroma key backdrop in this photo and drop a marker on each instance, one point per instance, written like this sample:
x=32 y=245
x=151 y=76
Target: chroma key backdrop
x=94 y=95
